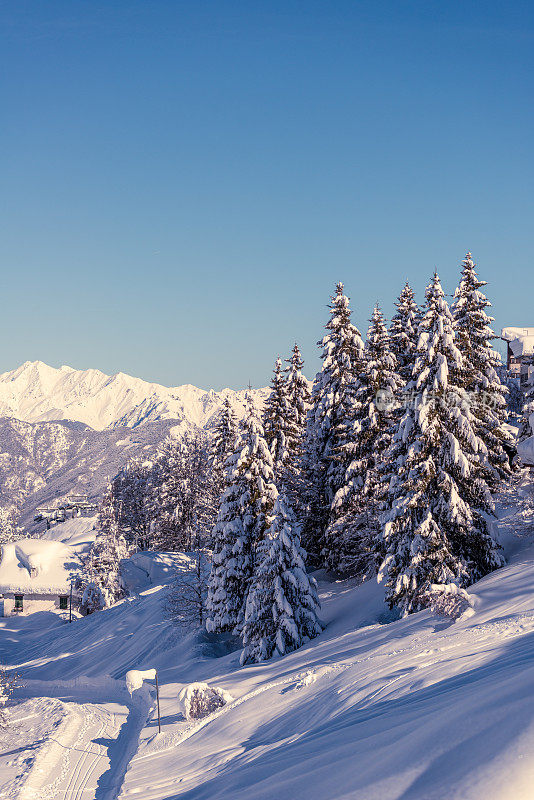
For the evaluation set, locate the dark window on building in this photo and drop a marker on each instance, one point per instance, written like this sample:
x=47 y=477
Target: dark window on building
x=18 y=602
x=63 y=603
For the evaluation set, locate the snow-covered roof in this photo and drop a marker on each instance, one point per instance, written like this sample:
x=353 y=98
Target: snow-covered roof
x=522 y=346
x=37 y=566
x=521 y=340
x=508 y=334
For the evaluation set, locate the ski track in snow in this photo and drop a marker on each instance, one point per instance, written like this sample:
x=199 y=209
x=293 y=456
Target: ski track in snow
x=87 y=754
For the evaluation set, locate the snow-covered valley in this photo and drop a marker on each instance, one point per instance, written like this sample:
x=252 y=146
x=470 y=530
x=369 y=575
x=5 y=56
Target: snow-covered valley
x=419 y=708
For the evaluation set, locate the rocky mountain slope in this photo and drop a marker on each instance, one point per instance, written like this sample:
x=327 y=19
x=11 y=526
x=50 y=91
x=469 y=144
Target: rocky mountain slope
x=65 y=430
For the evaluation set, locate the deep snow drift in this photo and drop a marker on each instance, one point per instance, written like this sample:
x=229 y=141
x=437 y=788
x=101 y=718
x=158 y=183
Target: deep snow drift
x=373 y=709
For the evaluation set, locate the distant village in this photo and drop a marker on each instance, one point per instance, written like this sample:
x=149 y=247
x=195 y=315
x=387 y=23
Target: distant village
x=75 y=505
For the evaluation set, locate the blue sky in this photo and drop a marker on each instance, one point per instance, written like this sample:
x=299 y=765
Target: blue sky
x=183 y=182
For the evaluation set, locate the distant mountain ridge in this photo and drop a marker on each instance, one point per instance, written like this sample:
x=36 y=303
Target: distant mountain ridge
x=35 y=392
x=65 y=430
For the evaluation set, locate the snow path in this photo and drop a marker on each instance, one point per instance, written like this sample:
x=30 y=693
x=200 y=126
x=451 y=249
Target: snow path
x=87 y=753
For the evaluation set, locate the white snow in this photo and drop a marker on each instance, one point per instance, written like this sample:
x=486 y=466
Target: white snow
x=36 y=566
x=35 y=392
x=521 y=340
x=46 y=565
x=420 y=708
x=526 y=451
x=135 y=678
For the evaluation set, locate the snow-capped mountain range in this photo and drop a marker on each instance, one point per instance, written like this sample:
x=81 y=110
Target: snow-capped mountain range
x=36 y=392
x=65 y=430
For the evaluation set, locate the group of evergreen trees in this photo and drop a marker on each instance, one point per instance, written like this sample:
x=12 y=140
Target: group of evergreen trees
x=169 y=503
x=386 y=467
x=9 y=527
x=405 y=441
x=259 y=588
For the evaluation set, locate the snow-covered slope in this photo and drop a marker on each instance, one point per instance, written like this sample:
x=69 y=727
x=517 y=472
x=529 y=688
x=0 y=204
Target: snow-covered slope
x=373 y=709
x=36 y=392
x=45 y=461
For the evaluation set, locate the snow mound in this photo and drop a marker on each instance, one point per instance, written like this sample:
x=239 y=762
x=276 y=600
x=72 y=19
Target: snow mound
x=199 y=700
x=135 y=678
x=78 y=531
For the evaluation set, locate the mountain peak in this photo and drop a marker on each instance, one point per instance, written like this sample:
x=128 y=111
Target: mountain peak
x=36 y=392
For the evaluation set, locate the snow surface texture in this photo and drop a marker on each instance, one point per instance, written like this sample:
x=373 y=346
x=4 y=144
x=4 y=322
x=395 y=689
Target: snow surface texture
x=421 y=708
x=526 y=451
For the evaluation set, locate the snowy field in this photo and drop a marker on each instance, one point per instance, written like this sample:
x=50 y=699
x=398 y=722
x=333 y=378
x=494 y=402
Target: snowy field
x=373 y=709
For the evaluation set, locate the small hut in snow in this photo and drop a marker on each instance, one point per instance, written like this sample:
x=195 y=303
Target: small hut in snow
x=36 y=575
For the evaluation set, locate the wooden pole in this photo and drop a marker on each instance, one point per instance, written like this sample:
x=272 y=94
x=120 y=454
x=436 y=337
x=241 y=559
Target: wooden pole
x=70 y=603
x=157 y=695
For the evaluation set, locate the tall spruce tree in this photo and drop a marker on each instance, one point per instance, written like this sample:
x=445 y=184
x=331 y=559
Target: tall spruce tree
x=298 y=402
x=276 y=418
x=480 y=378
x=282 y=604
x=327 y=428
x=436 y=532
x=403 y=332
x=223 y=442
x=244 y=516
x=353 y=535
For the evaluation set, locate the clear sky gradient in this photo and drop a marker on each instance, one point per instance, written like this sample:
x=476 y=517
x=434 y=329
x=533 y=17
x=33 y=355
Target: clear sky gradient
x=183 y=182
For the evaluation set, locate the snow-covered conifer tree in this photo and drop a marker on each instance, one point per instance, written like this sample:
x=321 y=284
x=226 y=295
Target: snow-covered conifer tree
x=436 y=533
x=104 y=565
x=181 y=503
x=163 y=496
x=282 y=604
x=276 y=419
x=223 y=443
x=353 y=534
x=93 y=598
x=130 y=492
x=480 y=378
x=327 y=429
x=403 y=332
x=298 y=401
x=244 y=516
x=9 y=530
